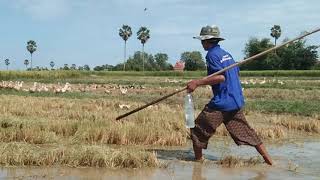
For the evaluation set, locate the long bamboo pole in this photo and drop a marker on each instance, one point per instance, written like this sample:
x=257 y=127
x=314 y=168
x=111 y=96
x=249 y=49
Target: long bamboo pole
x=221 y=71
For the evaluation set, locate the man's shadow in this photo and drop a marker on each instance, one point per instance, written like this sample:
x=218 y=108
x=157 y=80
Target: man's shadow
x=181 y=155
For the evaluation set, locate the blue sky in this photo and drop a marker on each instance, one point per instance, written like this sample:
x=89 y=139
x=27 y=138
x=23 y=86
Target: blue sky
x=86 y=31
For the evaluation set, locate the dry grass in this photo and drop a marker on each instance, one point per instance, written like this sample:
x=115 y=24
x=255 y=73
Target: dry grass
x=235 y=162
x=44 y=120
x=296 y=123
x=272 y=132
x=22 y=154
x=311 y=126
x=50 y=120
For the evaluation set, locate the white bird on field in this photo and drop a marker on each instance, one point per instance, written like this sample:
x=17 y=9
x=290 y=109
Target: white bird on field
x=124 y=106
x=34 y=87
x=18 y=85
x=107 y=91
x=281 y=82
x=263 y=82
x=123 y=90
x=66 y=88
x=244 y=82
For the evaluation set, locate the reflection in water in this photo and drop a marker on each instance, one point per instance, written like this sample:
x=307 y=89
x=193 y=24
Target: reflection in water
x=260 y=176
x=197 y=172
x=76 y=173
x=174 y=154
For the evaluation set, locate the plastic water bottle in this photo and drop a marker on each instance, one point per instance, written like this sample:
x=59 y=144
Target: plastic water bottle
x=189 y=111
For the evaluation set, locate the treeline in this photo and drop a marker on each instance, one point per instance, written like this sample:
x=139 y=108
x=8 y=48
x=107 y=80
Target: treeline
x=159 y=62
x=295 y=56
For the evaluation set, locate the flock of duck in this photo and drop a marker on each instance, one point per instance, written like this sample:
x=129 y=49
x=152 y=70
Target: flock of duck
x=67 y=87
x=106 y=88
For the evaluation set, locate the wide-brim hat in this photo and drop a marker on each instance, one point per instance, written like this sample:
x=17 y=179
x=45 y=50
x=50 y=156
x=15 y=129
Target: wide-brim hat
x=209 y=32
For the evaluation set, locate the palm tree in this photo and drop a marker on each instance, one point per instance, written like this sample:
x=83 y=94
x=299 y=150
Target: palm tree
x=26 y=63
x=275 y=33
x=31 y=47
x=125 y=32
x=7 y=62
x=143 y=35
x=52 y=64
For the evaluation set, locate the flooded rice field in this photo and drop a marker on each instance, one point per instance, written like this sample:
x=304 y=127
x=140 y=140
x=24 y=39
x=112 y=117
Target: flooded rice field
x=298 y=160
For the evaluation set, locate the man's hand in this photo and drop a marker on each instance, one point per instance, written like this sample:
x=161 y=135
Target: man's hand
x=192 y=85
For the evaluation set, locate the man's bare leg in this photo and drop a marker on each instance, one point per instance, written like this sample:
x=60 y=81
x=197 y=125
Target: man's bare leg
x=197 y=153
x=262 y=150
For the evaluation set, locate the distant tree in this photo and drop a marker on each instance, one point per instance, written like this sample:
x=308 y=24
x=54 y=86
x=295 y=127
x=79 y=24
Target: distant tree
x=80 y=68
x=143 y=35
x=66 y=67
x=86 y=67
x=119 y=66
x=73 y=67
x=298 y=56
x=31 y=47
x=107 y=67
x=135 y=63
x=7 y=62
x=125 y=32
x=253 y=47
x=52 y=64
x=193 y=61
x=162 y=61
x=98 y=68
x=43 y=69
x=26 y=63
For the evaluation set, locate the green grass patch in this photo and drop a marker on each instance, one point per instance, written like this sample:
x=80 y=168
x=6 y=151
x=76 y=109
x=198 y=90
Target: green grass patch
x=282 y=73
x=304 y=108
x=62 y=75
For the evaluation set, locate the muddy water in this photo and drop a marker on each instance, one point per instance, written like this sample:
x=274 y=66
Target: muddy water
x=298 y=160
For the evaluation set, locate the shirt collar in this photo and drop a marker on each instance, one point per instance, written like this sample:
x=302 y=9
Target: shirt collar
x=213 y=47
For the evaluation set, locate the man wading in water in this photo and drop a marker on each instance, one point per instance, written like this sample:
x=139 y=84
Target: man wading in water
x=227 y=102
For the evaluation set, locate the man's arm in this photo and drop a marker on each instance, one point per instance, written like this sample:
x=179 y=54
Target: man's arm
x=192 y=85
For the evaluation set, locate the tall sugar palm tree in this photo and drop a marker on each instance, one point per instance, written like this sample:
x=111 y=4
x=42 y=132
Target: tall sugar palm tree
x=7 y=62
x=26 y=63
x=275 y=33
x=31 y=47
x=143 y=35
x=52 y=64
x=125 y=32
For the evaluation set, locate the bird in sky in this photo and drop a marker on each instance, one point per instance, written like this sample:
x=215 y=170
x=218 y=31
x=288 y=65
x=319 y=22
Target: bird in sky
x=145 y=9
